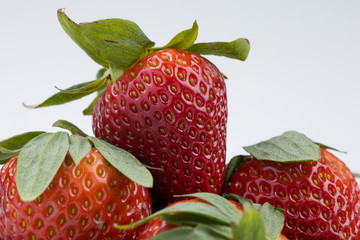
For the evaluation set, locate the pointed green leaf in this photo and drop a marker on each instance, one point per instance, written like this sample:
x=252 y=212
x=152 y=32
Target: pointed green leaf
x=198 y=208
x=234 y=164
x=79 y=148
x=102 y=73
x=273 y=221
x=289 y=147
x=184 y=39
x=116 y=72
x=125 y=162
x=89 y=110
x=198 y=233
x=237 y=49
x=38 y=163
x=62 y=97
x=327 y=147
x=189 y=219
x=90 y=88
x=75 y=33
x=120 y=41
x=11 y=147
x=69 y=126
x=221 y=203
x=251 y=226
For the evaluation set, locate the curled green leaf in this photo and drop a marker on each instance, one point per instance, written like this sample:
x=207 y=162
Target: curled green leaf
x=234 y=164
x=69 y=126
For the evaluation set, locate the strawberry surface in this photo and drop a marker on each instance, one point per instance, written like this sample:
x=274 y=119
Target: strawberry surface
x=320 y=198
x=170 y=111
x=82 y=202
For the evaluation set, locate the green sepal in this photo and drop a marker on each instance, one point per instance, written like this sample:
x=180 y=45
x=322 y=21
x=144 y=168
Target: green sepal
x=70 y=127
x=234 y=164
x=102 y=72
x=125 y=162
x=38 y=163
x=331 y=148
x=93 y=86
x=272 y=217
x=198 y=233
x=11 y=147
x=219 y=202
x=89 y=110
x=251 y=226
x=196 y=208
x=193 y=220
x=79 y=148
x=75 y=33
x=182 y=40
x=237 y=49
x=291 y=146
x=119 y=41
x=116 y=72
x=63 y=97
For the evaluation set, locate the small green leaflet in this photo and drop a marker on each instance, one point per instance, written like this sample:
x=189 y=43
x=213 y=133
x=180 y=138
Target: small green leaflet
x=189 y=219
x=289 y=147
x=89 y=88
x=75 y=33
x=38 y=163
x=79 y=148
x=251 y=226
x=234 y=163
x=273 y=220
x=183 y=40
x=237 y=49
x=64 y=97
x=198 y=233
x=197 y=208
x=70 y=127
x=12 y=146
x=221 y=203
x=125 y=162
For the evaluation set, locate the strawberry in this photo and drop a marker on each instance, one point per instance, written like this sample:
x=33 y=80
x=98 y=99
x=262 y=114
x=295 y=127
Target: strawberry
x=198 y=219
x=171 y=114
x=320 y=196
x=166 y=105
x=83 y=200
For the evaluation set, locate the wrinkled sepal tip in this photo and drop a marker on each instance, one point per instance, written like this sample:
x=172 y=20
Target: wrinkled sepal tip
x=29 y=106
x=61 y=10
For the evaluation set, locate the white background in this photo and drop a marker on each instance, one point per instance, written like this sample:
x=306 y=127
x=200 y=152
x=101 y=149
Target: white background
x=303 y=71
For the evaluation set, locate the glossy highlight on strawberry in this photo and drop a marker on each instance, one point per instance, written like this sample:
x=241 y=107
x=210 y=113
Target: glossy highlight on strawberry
x=170 y=111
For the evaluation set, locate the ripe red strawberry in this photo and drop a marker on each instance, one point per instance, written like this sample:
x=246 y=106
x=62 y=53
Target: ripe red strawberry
x=199 y=218
x=166 y=105
x=171 y=113
x=82 y=201
x=321 y=199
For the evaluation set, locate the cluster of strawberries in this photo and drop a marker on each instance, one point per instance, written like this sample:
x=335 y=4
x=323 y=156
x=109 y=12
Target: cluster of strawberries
x=159 y=120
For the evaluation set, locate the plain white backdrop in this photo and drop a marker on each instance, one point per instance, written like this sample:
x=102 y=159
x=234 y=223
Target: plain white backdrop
x=303 y=71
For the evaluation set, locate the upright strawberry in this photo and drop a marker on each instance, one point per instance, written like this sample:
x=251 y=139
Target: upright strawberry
x=209 y=216
x=70 y=187
x=166 y=105
x=319 y=195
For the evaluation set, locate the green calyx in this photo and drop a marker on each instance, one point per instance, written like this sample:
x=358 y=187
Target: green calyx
x=117 y=44
x=291 y=146
x=41 y=155
x=217 y=218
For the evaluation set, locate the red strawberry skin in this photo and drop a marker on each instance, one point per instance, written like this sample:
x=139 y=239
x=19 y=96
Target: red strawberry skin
x=171 y=113
x=82 y=202
x=320 y=199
